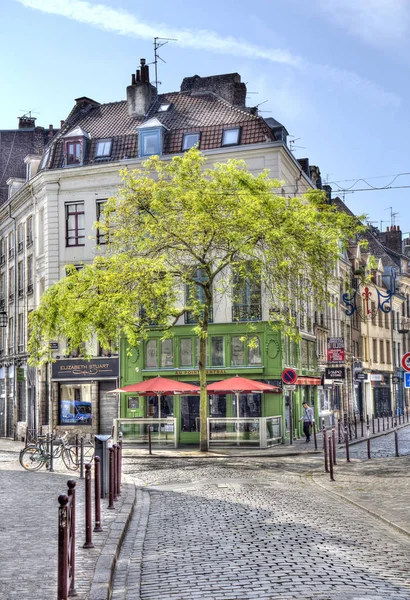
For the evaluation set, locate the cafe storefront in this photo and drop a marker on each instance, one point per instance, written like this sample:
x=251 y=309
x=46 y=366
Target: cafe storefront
x=82 y=401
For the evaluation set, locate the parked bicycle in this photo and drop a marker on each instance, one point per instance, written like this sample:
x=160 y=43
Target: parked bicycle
x=34 y=456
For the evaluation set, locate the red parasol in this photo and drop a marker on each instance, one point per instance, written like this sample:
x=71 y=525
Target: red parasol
x=241 y=385
x=160 y=386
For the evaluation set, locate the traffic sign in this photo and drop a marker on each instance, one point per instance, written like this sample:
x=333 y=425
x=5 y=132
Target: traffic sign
x=290 y=388
x=289 y=376
x=407 y=380
x=405 y=361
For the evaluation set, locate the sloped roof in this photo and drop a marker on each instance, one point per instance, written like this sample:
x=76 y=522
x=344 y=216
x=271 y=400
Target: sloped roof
x=203 y=112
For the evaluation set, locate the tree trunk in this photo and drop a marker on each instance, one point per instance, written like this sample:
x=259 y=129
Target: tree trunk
x=203 y=399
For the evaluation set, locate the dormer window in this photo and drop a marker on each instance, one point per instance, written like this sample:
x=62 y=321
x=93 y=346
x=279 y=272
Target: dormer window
x=163 y=107
x=103 y=148
x=32 y=162
x=45 y=158
x=150 y=138
x=190 y=140
x=74 y=146
x=230 y=137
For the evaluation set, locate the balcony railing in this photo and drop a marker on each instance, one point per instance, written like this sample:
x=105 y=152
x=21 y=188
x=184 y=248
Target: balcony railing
x=246 y=312
x=404 y=326
x=191 y=319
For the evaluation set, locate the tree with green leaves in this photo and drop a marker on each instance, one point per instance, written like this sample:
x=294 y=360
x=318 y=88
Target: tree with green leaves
x=180 y=234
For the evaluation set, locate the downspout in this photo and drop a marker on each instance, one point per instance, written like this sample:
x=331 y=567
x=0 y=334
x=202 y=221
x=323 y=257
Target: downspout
x=14 y=328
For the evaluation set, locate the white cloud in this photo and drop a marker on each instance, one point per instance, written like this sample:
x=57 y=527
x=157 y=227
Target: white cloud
x=377 y=22
x=124 y=23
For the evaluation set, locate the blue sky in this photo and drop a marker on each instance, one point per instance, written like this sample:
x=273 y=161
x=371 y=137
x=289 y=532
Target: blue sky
x=335 y=72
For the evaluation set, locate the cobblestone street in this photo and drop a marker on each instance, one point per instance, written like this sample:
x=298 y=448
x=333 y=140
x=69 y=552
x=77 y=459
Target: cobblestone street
x=251 y=528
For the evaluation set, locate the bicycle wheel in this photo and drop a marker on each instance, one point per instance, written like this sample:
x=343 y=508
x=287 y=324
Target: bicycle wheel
x=69 y=459
x=31 y=458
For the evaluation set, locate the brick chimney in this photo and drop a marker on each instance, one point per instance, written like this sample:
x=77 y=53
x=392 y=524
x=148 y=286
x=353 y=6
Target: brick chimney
x=392 y=238
x=229 y=87
x=140 y=93
x=26 y=122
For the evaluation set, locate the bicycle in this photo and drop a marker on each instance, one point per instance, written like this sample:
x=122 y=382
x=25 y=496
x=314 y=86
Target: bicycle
x=34 y=456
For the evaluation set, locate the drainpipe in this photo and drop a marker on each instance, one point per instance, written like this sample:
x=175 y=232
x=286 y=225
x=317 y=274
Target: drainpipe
x=14 y=360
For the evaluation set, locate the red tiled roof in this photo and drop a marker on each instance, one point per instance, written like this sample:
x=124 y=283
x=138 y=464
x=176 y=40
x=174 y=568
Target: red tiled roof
x=202 y=112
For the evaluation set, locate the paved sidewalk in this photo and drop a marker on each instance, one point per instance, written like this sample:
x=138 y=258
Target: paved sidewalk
x=28 y=532
x=381 y=487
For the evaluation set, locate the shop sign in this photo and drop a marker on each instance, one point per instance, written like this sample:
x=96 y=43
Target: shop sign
x=360 y=376
x=53 y=345
x=208 y=372
x=335 y=350
x=376 y=377
x=96 y=368
x=335 y=373
x=396 y=379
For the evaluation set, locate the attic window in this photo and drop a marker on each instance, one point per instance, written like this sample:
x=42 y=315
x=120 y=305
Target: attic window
x=45 y=158
x=103 y=148
x=230 y=137
x=163 y=107
x=73 y=153
x=189 y=140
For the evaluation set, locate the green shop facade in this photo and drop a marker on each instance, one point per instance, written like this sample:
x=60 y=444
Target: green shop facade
x=228 y=354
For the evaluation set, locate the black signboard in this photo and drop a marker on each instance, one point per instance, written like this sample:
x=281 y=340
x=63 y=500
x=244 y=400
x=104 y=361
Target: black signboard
x=361 y=376
x=335 y=373
x=77 y=368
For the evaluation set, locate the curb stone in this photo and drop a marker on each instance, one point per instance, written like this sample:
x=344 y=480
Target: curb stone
x=101 y=586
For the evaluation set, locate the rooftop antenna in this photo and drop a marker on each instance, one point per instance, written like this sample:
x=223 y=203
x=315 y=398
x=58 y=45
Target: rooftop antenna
x=28 y=113
x=392 y=215
x=158 y=43
x=381 y=225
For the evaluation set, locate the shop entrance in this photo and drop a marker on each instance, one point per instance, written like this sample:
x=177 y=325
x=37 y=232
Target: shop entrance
x=190 y=424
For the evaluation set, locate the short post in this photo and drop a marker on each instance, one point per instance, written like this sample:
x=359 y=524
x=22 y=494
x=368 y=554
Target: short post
x=350 y=430
x=396 y=442
x=149 y=440
x=62 y=569
x=51 y=468
x=355 y=427
x=347 y=446
x=115 y=447
x=118 y=470
x=334 y=445
x=368 y=443
x=88 y=508
x=339 y=430
x=378 y=423
x=362 y=425
x=331 y=459
x=314 y=434
x=383 y=421
x=373 y=424
x=111 y=480
x=76 y=448
x=325 y=449
x=120 y=445
x=71 y=540
x=367 y=420
x=81 y=458
x=97 y=494
x=407 y=413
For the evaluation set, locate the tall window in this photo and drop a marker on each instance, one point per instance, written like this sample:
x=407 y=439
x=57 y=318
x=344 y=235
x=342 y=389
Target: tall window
x=388 y=359
x=167 y=353
x=11 y=284
x=73 y=153
x=2 y=290
x=185 y=352
x=374 y=350
x=237 y=351
x=10 y=335
x=217 y=351
x=29 y=231
x=151 y=354
x=2 y=251
x=40 y=231
x=381 y=351
x=20 y=332
x=75 y=230
x=20 y=237
x=11 y=244
x=20 y=278
x=101 y=237
x=30 y=274
x=246 y=302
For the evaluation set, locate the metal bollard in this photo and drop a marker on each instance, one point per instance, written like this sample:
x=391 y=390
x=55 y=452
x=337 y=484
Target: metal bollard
x=373 y=424
x=347 y=446
x=383 y=421
x=62 y=583
x=331 y=459
x=118 y=470
x=361 y=426
x=368 y=443
x=97 y=494
x=149 y=440
x=115 y=447
x=76 y=447
x=120 y=445
x=81 y=458
x=51 y=468
x=378 y=423
x=71 y=495
x=111 y=480
x=88 y=509
x=334 y=445
x=350 y=431
x=314 y=435
x=396 y=442
x=325 y=449
x=339 y=431
x=355 y=428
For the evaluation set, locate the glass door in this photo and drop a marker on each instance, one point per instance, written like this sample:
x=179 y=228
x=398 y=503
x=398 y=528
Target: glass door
x=190 y=427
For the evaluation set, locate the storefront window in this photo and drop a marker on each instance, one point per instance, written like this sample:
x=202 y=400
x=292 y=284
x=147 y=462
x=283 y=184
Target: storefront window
x=186 y=352
x=254 y=352
x=250 y=405
x=237 y=351
x=217 y=405
x=75 y=404
x=217 y=351
x=161 y=411
x=151 y=358
x=167 y=353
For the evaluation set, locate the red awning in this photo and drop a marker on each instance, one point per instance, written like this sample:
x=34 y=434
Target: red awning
x=158 y=386
x=308 y=381
x=241 y=385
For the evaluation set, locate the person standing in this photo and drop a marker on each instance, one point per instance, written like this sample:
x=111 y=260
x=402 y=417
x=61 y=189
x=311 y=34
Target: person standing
x=307 y=418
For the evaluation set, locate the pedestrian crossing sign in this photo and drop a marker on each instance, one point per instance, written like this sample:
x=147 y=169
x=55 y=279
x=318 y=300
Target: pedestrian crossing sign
x=407 y=380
